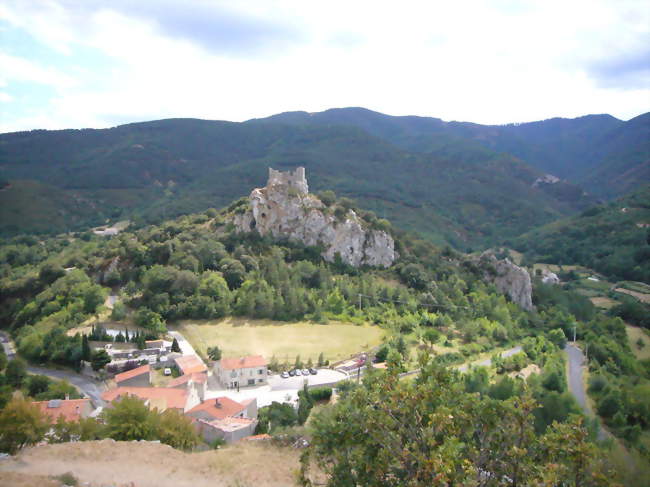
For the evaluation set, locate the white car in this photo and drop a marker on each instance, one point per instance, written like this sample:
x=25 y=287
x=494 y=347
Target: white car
x=167 y=371
x=305 y=371
x=298 y=372
x=284 y=375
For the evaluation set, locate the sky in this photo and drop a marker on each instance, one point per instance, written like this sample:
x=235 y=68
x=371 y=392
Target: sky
x=88 y=63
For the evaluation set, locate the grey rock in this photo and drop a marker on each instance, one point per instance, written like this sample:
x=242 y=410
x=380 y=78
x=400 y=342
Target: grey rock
x=508 y=278
x=284 y=208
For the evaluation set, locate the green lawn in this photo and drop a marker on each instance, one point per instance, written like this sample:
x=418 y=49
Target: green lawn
x=240 y=336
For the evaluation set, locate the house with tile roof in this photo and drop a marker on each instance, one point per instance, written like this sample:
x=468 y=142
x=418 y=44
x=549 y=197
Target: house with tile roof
x=233 y=373
x=138 y=377
x=190 y=364
x=69 y=409
x=224 y=418
x=161 y=398
x=196 y=380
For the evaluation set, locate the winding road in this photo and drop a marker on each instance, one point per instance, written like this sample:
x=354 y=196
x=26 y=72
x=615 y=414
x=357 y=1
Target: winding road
x=89 y=387
x=575 y=362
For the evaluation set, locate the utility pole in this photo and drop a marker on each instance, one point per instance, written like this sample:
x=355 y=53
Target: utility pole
x=574 y=332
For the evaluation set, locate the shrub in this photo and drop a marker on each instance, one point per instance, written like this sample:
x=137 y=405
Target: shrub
x=321 y=393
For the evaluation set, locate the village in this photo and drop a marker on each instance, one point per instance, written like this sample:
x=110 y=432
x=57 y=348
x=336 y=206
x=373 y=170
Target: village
x=221 y=397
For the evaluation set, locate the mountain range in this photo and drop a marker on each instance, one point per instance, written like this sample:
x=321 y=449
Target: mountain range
x=459 y=183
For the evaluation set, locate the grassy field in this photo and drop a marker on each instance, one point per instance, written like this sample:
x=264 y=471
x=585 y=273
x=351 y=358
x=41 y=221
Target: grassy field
x=240 y=336
x=643 y=297
x=603 y=302
x=633 y=335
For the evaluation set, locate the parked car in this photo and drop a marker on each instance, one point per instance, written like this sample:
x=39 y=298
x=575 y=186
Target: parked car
x=284 y=375
x=313 y=371
x=305 y=371
x=298 y=372
x=167 y=371
x=292 y=373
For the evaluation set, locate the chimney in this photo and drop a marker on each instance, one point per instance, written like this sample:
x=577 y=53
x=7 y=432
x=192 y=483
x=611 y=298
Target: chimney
x=217 y=403
x=76 y=410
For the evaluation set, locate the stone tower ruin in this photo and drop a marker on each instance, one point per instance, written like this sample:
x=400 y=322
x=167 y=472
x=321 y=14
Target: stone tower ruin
x=294 y=179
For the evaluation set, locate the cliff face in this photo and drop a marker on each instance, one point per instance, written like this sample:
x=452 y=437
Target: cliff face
x=284 y=208
x=510 y=279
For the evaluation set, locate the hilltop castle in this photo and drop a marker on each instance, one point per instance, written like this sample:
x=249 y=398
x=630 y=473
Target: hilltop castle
x=285 y=209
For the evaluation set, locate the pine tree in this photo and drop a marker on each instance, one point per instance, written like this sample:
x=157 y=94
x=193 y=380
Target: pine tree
x=175 y=346
x=85 y=348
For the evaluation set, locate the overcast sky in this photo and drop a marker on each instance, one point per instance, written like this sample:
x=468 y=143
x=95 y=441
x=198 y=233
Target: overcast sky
x=87 y=63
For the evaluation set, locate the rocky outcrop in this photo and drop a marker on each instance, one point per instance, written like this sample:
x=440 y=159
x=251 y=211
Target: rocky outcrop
x=508 y=278
x=549 y=277
x=285 y=209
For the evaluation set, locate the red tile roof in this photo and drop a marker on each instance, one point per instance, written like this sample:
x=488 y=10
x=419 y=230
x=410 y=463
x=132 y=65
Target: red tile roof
x=183 y=379
x=70 y=409
x=243 y=362
x=227 y=407
x=172 y=398
x=190 y=364
x=130 y=374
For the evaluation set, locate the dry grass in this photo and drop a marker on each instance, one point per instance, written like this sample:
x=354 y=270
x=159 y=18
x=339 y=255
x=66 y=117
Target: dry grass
x=240 y=336
x=15 y=479
x=633 y=335
x=644 y=298
x=603 y=302
x=154 y=465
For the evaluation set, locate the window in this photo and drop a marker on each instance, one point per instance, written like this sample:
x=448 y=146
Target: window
x=259 y=381
x=251 y=382
x=260 y=372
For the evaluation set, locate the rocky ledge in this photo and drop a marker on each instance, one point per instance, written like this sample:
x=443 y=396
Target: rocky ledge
x=509 y=279
x=285 y=209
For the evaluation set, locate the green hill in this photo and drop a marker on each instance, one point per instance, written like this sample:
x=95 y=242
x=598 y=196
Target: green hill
x=613 y=239
x=462 y=194
x=588 y=150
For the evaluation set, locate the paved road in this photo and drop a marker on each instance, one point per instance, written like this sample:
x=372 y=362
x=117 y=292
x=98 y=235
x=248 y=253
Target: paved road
x=576 y=385
x=324 y=376
x=186 y=347
x=575 y=362
x=90 y=387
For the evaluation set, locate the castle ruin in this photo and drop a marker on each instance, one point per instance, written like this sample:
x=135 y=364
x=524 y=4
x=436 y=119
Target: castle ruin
x=294 y=179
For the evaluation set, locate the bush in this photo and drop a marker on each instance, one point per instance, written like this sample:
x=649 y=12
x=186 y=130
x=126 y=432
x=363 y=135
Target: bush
x=321 y=393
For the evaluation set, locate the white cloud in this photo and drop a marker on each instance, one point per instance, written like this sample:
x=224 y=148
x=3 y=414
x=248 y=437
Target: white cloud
x=479 y=61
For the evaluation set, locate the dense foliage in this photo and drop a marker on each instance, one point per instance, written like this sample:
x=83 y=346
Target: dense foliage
x=430 y=432
x=456 y=192
x=612 y=239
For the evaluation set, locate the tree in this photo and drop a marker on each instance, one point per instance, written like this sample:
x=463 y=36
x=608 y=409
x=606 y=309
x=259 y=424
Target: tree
x=119 y=311
x=431 y=336
x=557 y=337
x=99 y=359
x=37 y=384
x=16 y=372
x=305 y=404
x=214 y=353
x=93 y=297
x=430 y=432
x=321 y=359
x=21 y=424
x=176 y=430
x=175 y=346
x=150 y=320
x=129 y=419
x=85 y=348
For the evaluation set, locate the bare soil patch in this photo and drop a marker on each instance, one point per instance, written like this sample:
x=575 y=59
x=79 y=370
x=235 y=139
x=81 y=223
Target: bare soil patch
x=148 y=464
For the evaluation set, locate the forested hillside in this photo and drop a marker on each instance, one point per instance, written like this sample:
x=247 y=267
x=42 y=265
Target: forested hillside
x=612 y=238
x=461 y=194
x=607 y=156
